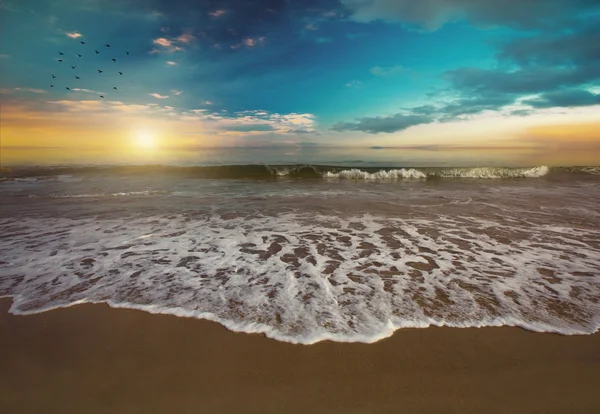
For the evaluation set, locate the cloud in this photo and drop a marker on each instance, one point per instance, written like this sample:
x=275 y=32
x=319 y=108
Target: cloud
x=564 y=98
x=324 y=40
x=4 y=56
x=310 y=26
x=159 y=96
x=162 y=41
x=185 y=38
x=170 y=45
x=33 y=90
x=579 y=47
x=389 y=124
x=87 y=91
x=433 y=14
x=253 y=121
x=387 y=71
x=171 y=63
x=74 y=35
x=176 y=92
x=217 y=13
x=354 y=84
x=251 y=42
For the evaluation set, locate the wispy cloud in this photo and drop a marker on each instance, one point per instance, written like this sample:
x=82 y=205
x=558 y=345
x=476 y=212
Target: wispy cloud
x=185 y=38
x=159 y=96
x=324 y=40
x=87 y=91
x=4 y=56
x=171 y=63
x=170 y=45
x=30 y=90
x=74 y=35
x=176 y=92
x=310 y=26
x=217 y=13
x=251 y=42
x=354 y=84
x=387 y=71
x=162 y=41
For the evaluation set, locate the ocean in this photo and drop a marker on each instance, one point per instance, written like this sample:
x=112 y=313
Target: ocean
x=304 y=253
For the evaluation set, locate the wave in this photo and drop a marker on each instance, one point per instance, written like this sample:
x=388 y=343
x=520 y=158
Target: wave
x=274 y=172
x=305 y=278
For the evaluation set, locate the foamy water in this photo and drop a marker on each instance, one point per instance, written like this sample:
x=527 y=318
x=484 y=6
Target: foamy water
x=349 y=260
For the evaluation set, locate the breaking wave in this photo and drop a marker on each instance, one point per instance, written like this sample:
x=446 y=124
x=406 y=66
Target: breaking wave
x=261 y=171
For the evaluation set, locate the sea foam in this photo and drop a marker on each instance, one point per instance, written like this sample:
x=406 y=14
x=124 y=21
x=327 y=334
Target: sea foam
x=304 y=278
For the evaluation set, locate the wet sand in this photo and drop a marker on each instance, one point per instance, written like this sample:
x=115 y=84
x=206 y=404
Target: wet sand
x=94 y=359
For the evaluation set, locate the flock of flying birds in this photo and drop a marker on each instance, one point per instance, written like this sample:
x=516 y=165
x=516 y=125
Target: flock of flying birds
x=79 y=55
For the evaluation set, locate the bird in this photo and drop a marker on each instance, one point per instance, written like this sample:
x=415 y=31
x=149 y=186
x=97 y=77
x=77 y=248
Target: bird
x=73 y=67
x=53 y=77
x=60 y=60
x=101 y=96
x=52 y=86
x=115 y=88
x=78 y=55
x=77 y=77
x=99 y=71
x=120 y=73
x=97 y=52
x=114 y=60
x=61 y=53
x=67 y=88
x=107 y=45
x=127 y=51
x=83 y=43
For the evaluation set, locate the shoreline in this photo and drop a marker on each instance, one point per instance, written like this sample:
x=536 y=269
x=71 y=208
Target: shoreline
x=95 y=359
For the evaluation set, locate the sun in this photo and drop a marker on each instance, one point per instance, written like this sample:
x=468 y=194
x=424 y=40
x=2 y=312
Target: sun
x=145 y=139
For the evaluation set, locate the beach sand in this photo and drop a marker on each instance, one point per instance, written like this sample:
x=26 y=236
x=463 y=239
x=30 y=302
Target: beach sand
x=94 y=359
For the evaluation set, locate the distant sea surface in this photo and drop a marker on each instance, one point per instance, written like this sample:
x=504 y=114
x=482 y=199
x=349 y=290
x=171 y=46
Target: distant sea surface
x=305 y=252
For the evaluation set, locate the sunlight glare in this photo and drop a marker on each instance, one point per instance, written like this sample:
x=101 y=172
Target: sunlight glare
x=144 y=139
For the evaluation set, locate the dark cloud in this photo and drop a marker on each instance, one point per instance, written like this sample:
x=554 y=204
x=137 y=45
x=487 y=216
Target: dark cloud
x=580 y=47
x=555 y=64
x=432 y=14
x=388 y=124
x=249 y=128
x=426 y=114
x=566 y=98
x=535 y=79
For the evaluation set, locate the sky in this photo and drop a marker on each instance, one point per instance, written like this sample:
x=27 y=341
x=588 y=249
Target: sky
x=299 y=74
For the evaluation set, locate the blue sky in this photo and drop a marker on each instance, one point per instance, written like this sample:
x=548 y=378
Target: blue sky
x=379 y=72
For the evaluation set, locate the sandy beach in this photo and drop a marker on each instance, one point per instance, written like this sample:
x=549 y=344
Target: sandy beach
x=94 y=359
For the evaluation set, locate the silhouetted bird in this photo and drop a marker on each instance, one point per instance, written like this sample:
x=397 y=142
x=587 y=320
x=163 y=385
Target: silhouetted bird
x=107 y=45
x=73 y=67
x=99 y=71
x=53 y=77
x=83 y=43
x=77 y=77
x=78 y=55
x=67 y=88
x=120 y=73
x=52 y=86
x=115 y=88
x=61 y=53
x=114 y=60
x=60 y=60
x=127 y=52
x=97 y=52
x=101 y=96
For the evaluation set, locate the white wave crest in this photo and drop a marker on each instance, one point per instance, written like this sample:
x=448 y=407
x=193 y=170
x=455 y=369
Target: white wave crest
x=488 y=172
x=356 y=174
